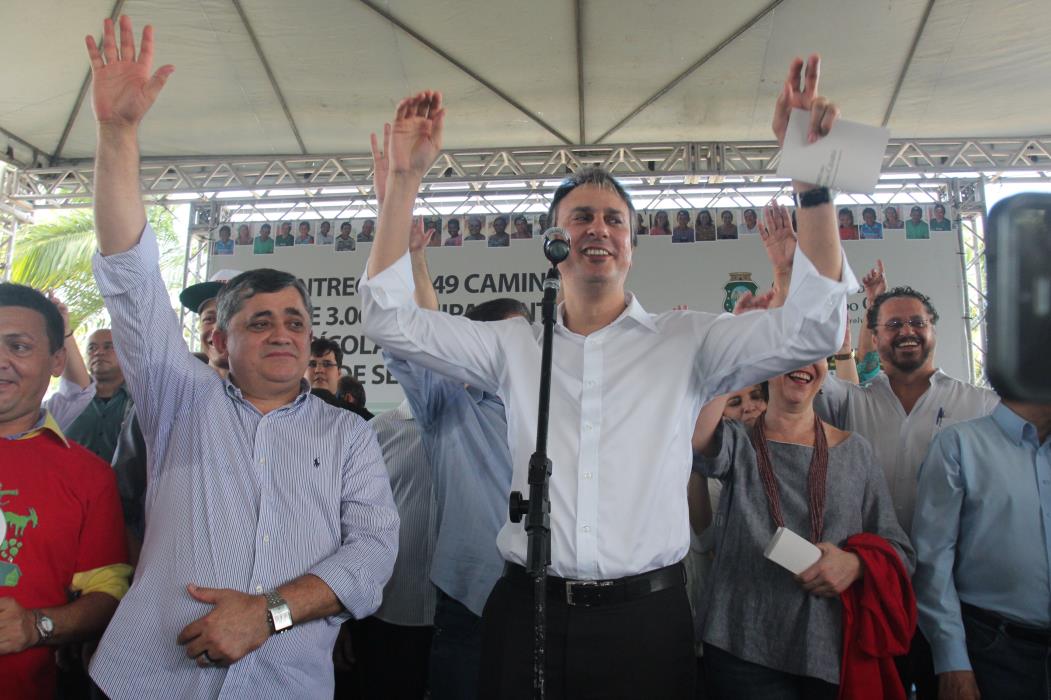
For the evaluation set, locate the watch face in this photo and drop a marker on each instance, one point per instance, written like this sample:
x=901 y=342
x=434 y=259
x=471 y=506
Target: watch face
x=47 y=624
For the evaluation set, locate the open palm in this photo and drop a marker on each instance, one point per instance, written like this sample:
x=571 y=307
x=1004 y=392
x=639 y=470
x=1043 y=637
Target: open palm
x=416 y=134
x=779 y=238
x=123 y=88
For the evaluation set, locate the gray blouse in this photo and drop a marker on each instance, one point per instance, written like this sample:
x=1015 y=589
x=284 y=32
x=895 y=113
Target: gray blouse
x=753 y=608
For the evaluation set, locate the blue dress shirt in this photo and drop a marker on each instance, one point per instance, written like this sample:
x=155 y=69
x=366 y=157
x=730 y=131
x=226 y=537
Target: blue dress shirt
x=981 y=530
x=235 y=499
x=465 y=434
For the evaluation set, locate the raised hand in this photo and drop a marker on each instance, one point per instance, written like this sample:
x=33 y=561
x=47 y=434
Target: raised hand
x=418 y=238
x=380 y=165
x=416 y=134
x=874 y=282
x=823 y=114
x=750 y=302
x=63 y=311
x=779 y=238
x=122 y=88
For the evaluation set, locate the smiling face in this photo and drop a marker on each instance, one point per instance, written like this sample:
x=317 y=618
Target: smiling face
x=869 y=216
x=891 y=215
x=750 y=218
x=727 y=217
x=268 y=341
x=939 y=213
x=797 y=388
x=499 y=225
x=916 y=214
x=745 y=405
x=599 y=225
x=682 y=219
x=906 y=349
x=26 y=367
x=206 y=320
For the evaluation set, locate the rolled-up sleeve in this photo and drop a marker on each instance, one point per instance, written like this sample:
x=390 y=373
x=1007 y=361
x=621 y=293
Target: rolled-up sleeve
x=738 y=351
x=358 y=570
x=147 y=338
x=935 y=529
x=69 y=401
x=452 y=346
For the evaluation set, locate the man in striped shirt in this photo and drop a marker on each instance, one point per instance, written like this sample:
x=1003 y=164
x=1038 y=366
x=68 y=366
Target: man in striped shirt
x=268 y=511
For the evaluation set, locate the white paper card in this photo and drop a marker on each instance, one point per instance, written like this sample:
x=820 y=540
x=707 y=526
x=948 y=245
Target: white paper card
x=848 y=159
x=791 y=551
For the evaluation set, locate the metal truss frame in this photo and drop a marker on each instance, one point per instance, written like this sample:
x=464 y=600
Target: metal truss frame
x=515 y=170
x=686 y=174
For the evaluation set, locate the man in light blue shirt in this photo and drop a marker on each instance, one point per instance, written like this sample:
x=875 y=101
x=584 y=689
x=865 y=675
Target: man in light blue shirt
x=982 y=532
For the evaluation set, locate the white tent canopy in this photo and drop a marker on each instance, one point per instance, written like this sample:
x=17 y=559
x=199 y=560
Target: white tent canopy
x=979 y=69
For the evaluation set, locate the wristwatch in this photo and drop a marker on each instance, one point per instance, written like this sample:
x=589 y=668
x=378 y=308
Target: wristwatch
x=813 y=198
x=278 y=614
x=45 y=627
x=845 y=356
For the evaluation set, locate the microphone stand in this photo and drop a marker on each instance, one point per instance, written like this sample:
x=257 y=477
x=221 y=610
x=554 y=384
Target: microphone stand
x=537 y=510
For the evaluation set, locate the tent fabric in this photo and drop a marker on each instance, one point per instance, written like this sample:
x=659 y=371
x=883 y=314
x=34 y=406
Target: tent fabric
x=979 y=69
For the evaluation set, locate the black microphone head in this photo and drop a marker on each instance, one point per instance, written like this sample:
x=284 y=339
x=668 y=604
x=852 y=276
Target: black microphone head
x=556 y=245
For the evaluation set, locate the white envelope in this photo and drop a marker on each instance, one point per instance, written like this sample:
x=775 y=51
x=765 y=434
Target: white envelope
x=791 y=551
x=848 y=159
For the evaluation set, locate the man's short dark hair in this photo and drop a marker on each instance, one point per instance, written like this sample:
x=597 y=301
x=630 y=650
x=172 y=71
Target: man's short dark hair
x=498 y=310
x=597 y=177
x=939 y=206
x=350 y=386
x=224 y=227
x=746 y=211
x=319 y=347
x=897 y=293
x=12 y=294
x=868 y=210
x=236 y=292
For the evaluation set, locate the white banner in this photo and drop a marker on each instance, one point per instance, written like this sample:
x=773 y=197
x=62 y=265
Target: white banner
x=664 y=274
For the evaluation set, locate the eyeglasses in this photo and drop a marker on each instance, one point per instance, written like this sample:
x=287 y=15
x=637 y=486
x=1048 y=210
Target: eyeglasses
x=327 y=364
x=894 y=325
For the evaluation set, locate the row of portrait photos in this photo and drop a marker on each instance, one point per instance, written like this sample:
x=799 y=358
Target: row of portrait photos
x=498 y=230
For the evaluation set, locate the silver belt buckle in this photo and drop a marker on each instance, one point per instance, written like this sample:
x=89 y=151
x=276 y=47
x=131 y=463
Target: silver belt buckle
x=582 y=584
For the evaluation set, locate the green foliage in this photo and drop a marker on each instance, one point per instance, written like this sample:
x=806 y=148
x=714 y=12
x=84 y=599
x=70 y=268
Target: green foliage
x=57 y=255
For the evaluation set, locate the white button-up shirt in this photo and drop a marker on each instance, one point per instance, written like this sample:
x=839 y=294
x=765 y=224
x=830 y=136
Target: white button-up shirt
x=901 y=440
x=624 y=401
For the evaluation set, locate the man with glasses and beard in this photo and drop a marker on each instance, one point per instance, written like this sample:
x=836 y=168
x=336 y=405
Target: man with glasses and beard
x=900 y=412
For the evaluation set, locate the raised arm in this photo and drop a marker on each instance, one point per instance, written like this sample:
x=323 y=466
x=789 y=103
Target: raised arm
x=424 y=294
x=875 y=283
x=819 y=234
x=122 y=91
x=76 y=372
x=779 y=242
x=415 y=141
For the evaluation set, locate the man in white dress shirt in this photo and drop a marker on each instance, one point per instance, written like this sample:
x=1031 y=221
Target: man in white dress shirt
x=899 y=413
x=627 y=387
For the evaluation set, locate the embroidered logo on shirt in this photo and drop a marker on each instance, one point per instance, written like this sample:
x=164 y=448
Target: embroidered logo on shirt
x=317 y=463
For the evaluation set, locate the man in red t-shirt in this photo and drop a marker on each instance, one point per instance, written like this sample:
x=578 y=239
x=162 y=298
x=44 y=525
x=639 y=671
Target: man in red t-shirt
x=62 y=550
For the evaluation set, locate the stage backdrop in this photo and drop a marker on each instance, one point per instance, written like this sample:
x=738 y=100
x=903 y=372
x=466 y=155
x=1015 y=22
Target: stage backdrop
x=701 y=275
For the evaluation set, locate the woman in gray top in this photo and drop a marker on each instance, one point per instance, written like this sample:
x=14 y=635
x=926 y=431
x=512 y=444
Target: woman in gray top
x=767 y=633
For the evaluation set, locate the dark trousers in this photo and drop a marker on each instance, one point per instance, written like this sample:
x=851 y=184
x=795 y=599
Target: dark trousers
x=640 y=648
x=1007 y=668
x=728 y=677
x=456 y=651
x=390 y=661
x=917 y=669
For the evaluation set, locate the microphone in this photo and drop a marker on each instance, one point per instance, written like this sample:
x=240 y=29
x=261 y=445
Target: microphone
x=556 y=245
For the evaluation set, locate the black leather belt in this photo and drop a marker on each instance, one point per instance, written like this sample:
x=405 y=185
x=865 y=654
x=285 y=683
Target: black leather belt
x=1033 y=635
x=590 y=594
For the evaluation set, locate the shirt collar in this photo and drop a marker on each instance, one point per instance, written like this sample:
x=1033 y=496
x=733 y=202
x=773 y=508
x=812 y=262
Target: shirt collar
x=1018 y=429
x=632 y=310
x=46 y=423
x=234 y=392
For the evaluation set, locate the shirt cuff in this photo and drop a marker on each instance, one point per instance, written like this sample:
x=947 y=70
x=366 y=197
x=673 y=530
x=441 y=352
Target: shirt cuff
x=950 y=654
x=344 y=585
x=125 y=272
x=392 y=288
x=808 y=283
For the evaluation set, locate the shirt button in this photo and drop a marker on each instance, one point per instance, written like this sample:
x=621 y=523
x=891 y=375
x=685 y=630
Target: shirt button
x=258 y=589
x=266 y=539
x=587 y=475
x=589 y=383
x=262 y=460
x=586 y=528
x=587 y=427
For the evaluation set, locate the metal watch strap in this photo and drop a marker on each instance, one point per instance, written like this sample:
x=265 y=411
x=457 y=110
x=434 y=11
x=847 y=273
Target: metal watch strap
x=278 y=614
x=45 y=627
x=845 y=356
x=813 y=198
